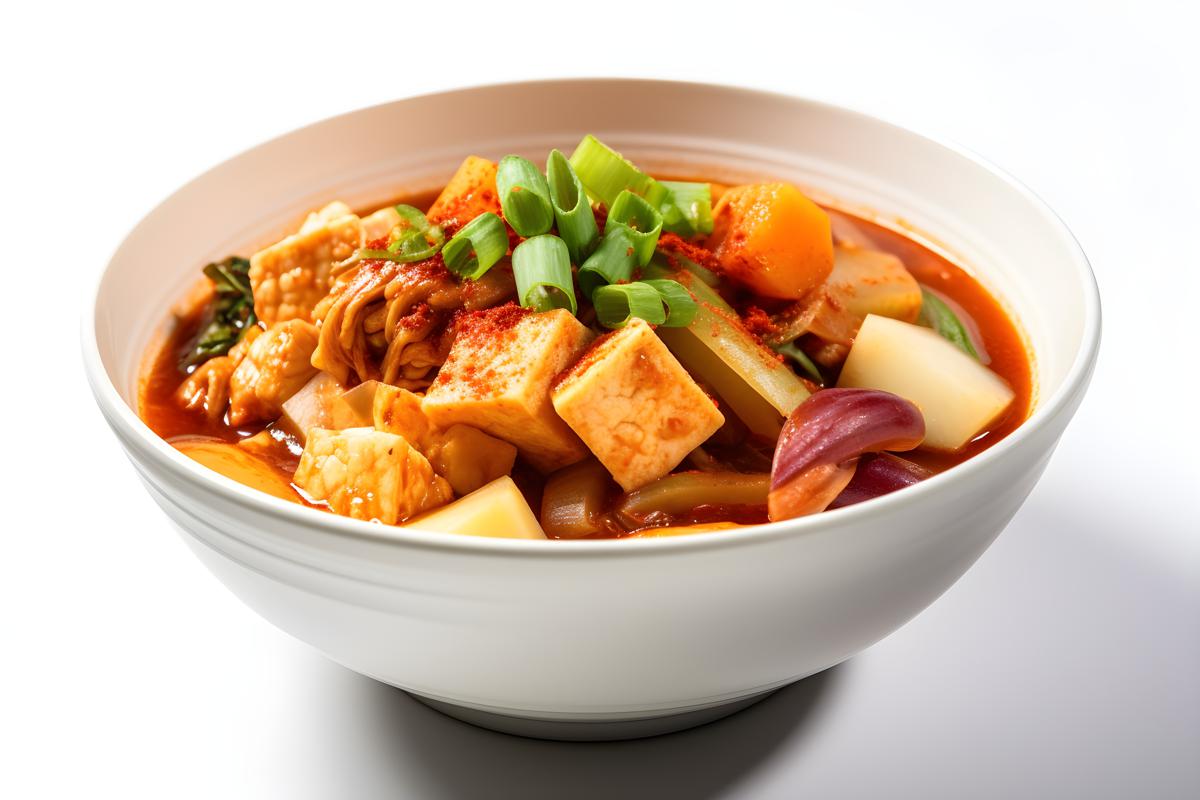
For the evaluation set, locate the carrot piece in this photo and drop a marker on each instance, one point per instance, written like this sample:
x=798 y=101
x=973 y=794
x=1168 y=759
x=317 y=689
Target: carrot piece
x=471 y=192
x=772 y=239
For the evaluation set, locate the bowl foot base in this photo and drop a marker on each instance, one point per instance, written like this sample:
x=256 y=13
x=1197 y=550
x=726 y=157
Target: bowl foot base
x=604 y=729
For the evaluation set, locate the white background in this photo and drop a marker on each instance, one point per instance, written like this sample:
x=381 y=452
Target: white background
x=1065 y=663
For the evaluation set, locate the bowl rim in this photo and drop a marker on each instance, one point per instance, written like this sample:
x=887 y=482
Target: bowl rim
x=131 y=430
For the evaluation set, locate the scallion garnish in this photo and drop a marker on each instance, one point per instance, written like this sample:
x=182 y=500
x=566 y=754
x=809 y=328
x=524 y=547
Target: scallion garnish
x=476 y=247
x=659 y=302
x=939 y=316
x=641 y=219
x=572 y=212
x=413 y=239
x=688 y=208
x=681 y=306
x=606 y=173
x=612 y=262
x=542 y=268
x=524 y=196
x=617 y=304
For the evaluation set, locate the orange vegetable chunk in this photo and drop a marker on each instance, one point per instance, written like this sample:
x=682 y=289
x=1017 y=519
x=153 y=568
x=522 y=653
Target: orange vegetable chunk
x=471 y=192
x=772 y=239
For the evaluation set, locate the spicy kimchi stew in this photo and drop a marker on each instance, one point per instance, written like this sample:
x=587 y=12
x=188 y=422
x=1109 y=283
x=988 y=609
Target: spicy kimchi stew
x=585 y=352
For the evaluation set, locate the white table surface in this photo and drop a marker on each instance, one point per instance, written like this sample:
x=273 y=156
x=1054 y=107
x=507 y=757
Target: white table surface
x=1066 y=663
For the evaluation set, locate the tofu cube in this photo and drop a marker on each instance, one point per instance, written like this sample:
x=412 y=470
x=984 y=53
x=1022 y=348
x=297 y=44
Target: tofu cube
x=635 y=406
x=497 y=379
x=367 y=474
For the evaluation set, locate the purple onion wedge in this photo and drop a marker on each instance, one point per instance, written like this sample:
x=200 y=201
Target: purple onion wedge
x=879 y=474
x=822 y=441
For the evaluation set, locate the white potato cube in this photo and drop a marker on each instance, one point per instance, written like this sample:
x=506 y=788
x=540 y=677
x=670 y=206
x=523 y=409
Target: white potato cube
x=957 y=395
x=496 y=510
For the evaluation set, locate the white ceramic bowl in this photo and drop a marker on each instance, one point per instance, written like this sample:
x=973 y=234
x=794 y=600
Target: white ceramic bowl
x=601 y=639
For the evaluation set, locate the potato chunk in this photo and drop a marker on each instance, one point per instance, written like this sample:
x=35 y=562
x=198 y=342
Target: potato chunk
x=497 y=510
x=497 y=378
x=957 y=395
x=291 y=276
x=471 y=192
x=277 y=365
x=773 y=239
x=466 y=457
x=635 y=406
x=367 y=474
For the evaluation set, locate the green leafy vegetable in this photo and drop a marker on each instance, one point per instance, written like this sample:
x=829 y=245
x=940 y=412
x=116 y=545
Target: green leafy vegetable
x=801 y=358
x=233 y=310
x=939 y=316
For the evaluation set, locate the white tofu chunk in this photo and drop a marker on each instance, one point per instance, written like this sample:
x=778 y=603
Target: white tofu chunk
x=366 y=474
x=277 y=365
x=957 y=395
x=380 y=223
x=497 y=379
x=635 y=406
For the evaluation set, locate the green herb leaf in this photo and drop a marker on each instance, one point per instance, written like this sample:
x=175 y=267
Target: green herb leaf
x=233 y=310
x=939 y=316
x=801 y=358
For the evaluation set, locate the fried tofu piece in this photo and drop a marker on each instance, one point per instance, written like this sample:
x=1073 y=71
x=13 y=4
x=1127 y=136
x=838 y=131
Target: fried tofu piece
x=379 y=224
x=290 y=277
x=471 y=192
x=635 y=406
x=466 y=457
x=367 y=474
x=323 y=216
x=277 y=365
x=497 y=379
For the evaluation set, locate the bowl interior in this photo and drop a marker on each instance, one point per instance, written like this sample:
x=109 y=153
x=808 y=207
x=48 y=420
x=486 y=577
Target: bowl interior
x=990 y=225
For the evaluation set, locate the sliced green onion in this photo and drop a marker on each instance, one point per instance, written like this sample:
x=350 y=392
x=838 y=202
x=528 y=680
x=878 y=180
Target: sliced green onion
x=939 y=316
x=416 y=240
x=681 y=306
x=606 y=173
x=612 y=262
x=542 y=268
x=641 y=219
x=696 y=279
x=572 y=211
x=524 y=196
x=476 y=247
x=801 y=358
x=617 y=304
x=688 y=208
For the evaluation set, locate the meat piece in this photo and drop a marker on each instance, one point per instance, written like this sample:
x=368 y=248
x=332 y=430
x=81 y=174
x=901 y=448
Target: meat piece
x=323 y=216
x=290 y=277
x=497 y=378
x=466 y=457
x=380 y=223
x=276 y=366
x=208 y=386
x=370 y=475
x=635 y=406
